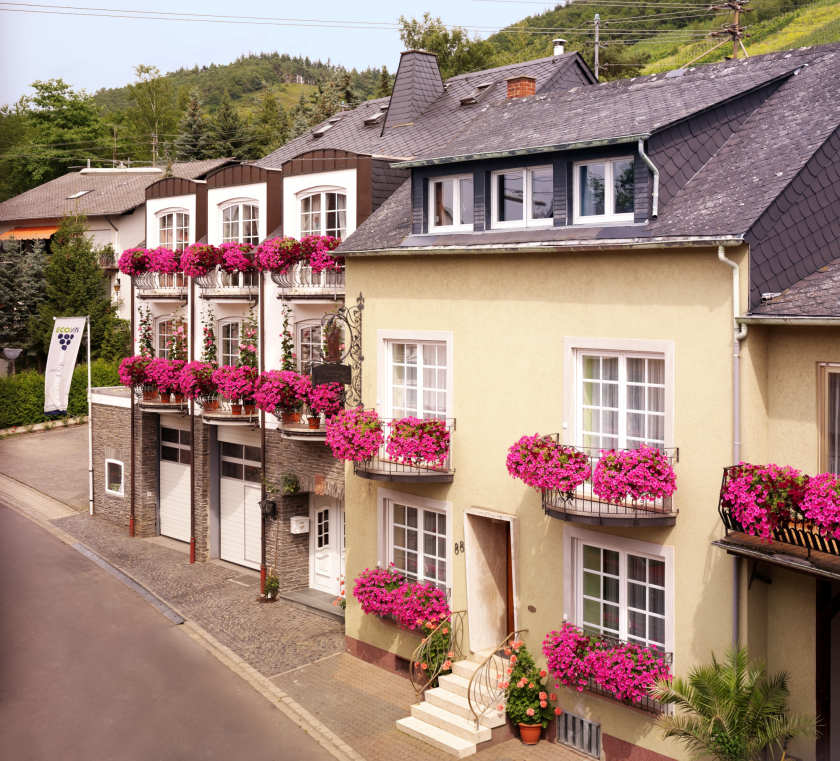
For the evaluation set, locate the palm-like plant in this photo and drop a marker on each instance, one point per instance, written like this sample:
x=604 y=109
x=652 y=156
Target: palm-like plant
x=730 y=710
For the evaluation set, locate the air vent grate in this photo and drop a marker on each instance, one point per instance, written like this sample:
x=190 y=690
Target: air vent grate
x=579 y=734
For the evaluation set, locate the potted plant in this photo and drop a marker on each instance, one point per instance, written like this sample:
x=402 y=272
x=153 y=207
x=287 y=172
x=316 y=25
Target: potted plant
x=271 y=587
x=543 y=463
x=355 y=434
x=341 y=600
x=195 y=381
x=163 y=374
x=821 y=503
x=133 y=371
x=527 y=698
x=235 y=384
x=325 y=400
x=414 y=441
x=134 y=261
x=282 y=393
x=198 y=259
x=375 y=587
x=277 y=255
x=316 y=250
x=643 y=474
x=236 y=257
x=165 y=261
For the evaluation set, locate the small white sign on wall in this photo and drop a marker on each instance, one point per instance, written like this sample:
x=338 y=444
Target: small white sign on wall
x=300 y=524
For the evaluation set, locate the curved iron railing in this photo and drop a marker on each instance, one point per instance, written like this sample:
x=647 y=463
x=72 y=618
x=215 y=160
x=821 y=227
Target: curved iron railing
x=218 y=408
x=483 y=691
x=219 y=282
x=175 y=283
x=444 y=645
x=300 y=280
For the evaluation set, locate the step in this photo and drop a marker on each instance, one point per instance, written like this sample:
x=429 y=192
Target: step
x=454 y=683
x=315 y=602
x=437 y=738
x=460 y=706
x=467 y=668
x=449 y=722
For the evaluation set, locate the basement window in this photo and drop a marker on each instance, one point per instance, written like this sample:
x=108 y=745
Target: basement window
x=114 y=478
x=604 y=191
x=477 y=94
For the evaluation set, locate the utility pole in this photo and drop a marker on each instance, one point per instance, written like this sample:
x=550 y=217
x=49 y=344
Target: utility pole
x=733 y=30
x=154 y=148
x=598 y=44
x=114 y=157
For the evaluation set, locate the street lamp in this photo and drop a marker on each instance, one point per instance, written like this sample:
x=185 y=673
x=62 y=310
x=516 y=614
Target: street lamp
x=11 y=355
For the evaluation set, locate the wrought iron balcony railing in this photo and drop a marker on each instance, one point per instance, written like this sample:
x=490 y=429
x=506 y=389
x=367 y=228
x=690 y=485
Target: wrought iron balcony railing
x=150 y=399
x=160 y=285
x=218 y=411
x=383 y=467
x=796 y=532
x=219 y=284
x=300 y=282
x=584 y=506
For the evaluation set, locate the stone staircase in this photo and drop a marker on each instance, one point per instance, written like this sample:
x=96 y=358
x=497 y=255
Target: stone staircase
x=445 y=721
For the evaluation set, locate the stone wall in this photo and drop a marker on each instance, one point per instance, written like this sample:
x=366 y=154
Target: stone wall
x=201 y=460
x=292 y=564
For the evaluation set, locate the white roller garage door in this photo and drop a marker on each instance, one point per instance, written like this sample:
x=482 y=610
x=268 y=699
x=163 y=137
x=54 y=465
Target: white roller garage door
x=175 y=457
x=240 y=525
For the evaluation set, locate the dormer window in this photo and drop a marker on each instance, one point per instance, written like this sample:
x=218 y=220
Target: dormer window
x=523 y=197
x=451 y=201
x=604 y=191
x=174 y=230
x=319 y=131
x=477 y=94
x=377 y=117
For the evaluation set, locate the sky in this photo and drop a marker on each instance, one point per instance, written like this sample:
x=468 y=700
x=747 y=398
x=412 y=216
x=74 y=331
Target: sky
x=91 y=52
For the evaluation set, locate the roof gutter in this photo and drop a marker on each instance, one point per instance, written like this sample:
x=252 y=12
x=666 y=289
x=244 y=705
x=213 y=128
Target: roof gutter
x=521 y=151
x=758 y=320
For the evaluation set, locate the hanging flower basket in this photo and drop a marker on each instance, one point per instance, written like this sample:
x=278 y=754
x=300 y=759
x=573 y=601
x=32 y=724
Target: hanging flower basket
x=237 y=257
x=375 y=589
x=282 y=392
x=196 y=380
x=134 y=261
x=355 y=434
x=764 y=497
x=643 y=474
x=386 y=592
x=821 y=503
x=199 y=259
x=543 y=463
x=235 y=383
x=133 y=371
x=315 y=249
x=413 y=441
x=277 y=255
x=163 y=374
x=164 y=260
x=326 y=399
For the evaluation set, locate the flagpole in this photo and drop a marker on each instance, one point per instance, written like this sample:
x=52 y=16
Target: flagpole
x=90 y=424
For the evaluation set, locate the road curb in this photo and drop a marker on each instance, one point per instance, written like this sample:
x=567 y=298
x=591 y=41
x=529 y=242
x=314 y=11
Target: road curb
x=325 y=737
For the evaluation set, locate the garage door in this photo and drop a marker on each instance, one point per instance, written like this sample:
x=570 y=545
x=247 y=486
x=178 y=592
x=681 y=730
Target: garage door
x=240 y=528
x=175 y=458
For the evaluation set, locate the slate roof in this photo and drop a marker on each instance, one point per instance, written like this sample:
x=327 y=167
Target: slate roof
x=726 y=196
x=111 y=193
x=439 y=122
x=817 y=295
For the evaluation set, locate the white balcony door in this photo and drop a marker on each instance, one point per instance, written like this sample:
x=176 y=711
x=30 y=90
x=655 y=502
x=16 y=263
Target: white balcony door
x=326 y=544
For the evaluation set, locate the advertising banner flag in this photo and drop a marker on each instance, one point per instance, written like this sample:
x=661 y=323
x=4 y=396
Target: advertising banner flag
x=64 y=348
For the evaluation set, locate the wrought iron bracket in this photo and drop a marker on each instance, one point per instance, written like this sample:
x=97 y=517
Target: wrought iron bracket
x=351 y=320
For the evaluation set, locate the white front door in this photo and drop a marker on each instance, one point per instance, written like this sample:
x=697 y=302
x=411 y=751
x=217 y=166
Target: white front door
x=175 y=454
x=240 y=520
x=326 y=544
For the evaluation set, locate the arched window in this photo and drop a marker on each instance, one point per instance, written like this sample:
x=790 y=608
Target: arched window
x=241 y=222
x=174 y=230
x=324 y=212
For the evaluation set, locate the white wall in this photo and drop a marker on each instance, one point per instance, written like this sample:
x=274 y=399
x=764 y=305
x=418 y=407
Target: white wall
x=156 y=206
x=299 y=184
x=218 y=197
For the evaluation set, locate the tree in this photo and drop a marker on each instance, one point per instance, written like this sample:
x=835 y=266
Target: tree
x=152 y=110
x=383 y=89
x=271 y=127
x=331 y=97
x=456 y=52
x=300 y=119
x=231 y=133
x=193 y=142
x=22 y=289
x=730 y=710
x=73 y=285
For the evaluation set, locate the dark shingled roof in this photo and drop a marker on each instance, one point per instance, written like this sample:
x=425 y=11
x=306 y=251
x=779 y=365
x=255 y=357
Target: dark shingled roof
x=817 y=295
x=440 y=122
x=111 y=193
x=416 y=86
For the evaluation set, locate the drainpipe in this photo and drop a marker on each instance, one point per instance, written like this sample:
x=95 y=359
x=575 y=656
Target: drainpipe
x=133 y=480
x=739 y=334
x=190 y=356
x=646 y=159
x=261 y=344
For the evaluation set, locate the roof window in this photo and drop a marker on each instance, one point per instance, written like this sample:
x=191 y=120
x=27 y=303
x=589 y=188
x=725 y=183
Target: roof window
x=319 y=131
x=79 y=194
x=377 y=116
x=477 y=94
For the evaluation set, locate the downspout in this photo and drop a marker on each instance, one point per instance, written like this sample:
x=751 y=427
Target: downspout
x=190 y=355
x=739 y=334
x=261 y=344
x=133 y=342
x=646 y=159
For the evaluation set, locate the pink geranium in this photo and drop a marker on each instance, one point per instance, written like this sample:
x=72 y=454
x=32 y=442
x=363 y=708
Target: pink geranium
x=280 y=391
x=199 y=259
x=164 y=260
x=133 y=371
x=640 y=474
x=355 y=434
x=277 y=255
x=237 y=257
x=326 y=399
x=235 y=383
x=134 y=261
x=543 y=463
x=821 y=503
x=163 y=374
x=316 y=249
x=375 y=589
x=196 y=380
x=414 y=441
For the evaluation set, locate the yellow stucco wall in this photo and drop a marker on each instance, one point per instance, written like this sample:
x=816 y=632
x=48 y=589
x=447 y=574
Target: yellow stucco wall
x=509 y=315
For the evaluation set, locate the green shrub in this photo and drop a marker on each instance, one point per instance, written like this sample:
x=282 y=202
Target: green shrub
x=22 y=395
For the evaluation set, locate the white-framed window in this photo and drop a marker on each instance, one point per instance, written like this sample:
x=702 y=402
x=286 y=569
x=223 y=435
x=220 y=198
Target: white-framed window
x=114 y=470
x=241 y=462
x=241 y=222
x=309 y=339
x=230 y=332
x=324 y=212
x=415 y=535
x=163 y=334
x=620 y=587
x=604 y=191
x=175 y=445
x=174 y=230
x=523 y=197
x=829 y=418
x=451 y=204
x=417 y=379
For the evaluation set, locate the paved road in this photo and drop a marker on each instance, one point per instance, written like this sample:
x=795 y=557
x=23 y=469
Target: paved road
x=91 y=671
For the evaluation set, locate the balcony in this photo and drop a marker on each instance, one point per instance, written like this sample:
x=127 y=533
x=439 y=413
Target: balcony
x=219 y=285
x=586 y=507
x=302 y=431
x=151 y=401
x=300 y=282
x=382 y=467
x=798 y=544
x=217 y=411
x=157 y=286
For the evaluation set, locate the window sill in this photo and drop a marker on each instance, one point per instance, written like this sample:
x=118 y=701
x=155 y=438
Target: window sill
x=394 y=625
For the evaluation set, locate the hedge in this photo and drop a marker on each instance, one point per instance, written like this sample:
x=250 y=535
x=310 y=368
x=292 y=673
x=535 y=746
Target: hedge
x=22 y=395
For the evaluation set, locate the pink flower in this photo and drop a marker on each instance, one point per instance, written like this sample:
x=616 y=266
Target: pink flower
x=236 y=257
x=500 y=707
x=513 y=659
x=530 y=712
x=531 y=686
x=134 y=261
x=355 y=434
x=543 y=463
x=199 y=258
x=278 y=391
x=543 y=696
x=543 y=674
x=552 y=696
x=418 y=442
x=643 y=474
x=133 y=371
x=558 y=711
x=543 y=704
x=821 y=503
x=164 y=260
x=424 y=667
x=447 y=665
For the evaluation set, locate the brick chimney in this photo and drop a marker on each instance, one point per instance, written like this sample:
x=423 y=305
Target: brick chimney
x=520 y=87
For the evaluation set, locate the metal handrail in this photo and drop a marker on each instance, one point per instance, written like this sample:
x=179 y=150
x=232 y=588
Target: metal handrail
x=300 y=279
x=483 y=691
x=175 y=282
x=382 y=463
x=438 y=649
x=219 y=280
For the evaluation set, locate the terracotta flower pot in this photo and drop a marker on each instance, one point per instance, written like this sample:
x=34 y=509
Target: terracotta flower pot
x=149 y=396
x=211 y=406
x=290 y=417
x=235 y=409
x=530 y=733
x=164 y=396
x=179 y=398
x=249 y=409
x=314 y=422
